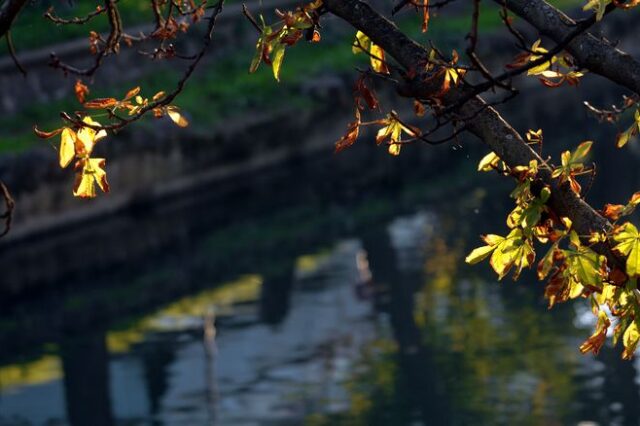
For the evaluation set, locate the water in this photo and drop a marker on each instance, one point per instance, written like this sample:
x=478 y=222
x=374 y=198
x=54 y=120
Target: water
x=325 y=292
x=359 y=311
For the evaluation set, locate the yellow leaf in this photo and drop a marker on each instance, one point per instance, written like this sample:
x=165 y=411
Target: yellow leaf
x=394 y=149
x=624 y=137
x=545 y=65
x=377 y=59
x=87 y=137
x=599 y=6
x=176 y=117
x=489 y=162
x=630 y=340
x=361 y=43
x=92 y=173
x=479 y=254
x=513 y=251
x=67 y=147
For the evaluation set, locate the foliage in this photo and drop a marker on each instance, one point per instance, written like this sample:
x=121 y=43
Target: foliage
x=600 y=264
x=79 y=140
x=572 y=268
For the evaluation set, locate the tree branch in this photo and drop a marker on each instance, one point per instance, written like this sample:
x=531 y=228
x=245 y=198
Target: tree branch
x=8 y=13
x=595 y=54
x=487 y=124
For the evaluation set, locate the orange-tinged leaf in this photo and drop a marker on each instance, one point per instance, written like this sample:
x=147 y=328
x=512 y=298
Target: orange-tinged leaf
x=545 y=265
x=176 y=117
x=351 y=136
x=100 y=103
x=131 y=93
x=597 y=339
x=81 y=90
x=46 y=135
x=612 y=211
x=363 y=92
x=425 y=15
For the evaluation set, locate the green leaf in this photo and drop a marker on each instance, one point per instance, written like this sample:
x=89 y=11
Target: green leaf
x=629 y=245
x=585 y=265
x=276 y=59
x=630 y=340
x=479 y=254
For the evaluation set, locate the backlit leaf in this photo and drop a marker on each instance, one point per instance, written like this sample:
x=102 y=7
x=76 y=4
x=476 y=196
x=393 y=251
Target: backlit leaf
x=597 y=339
x=277 y=55
x=81 y=91
x=86 y=137
x=100 y=103
x=91 y=173
x=489 y=162
x=46 y=135
x=629 y=245
x=175 y=116
x=630 y=340
x=67 y=146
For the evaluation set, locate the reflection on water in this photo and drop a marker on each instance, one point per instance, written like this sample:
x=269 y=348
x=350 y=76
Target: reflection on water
x=357 y=312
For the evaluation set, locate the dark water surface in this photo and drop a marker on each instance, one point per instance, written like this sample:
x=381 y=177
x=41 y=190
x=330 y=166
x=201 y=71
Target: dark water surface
x=326 y=292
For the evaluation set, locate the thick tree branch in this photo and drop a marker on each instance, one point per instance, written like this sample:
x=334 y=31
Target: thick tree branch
x=8 y=13
x=595 y=54
x=486 y=122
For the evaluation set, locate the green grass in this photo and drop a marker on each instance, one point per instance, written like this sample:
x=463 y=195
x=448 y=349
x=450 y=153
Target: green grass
x=217 y=91
x=224 y=89
x=31 y=28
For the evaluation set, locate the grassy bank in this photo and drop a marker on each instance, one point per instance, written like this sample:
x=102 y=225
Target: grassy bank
x=223 y=88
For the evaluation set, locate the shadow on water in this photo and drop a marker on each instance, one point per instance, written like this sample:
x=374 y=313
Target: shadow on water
x=327 y=291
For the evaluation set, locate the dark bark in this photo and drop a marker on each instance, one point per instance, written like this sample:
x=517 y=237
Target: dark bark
x=598 y=55
x=482 y=120
x=8 y=13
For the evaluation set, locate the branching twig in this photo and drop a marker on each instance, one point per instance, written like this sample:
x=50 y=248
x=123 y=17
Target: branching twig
x=9 y=203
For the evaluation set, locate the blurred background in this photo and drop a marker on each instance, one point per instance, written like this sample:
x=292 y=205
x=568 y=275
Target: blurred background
x=240 y=273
